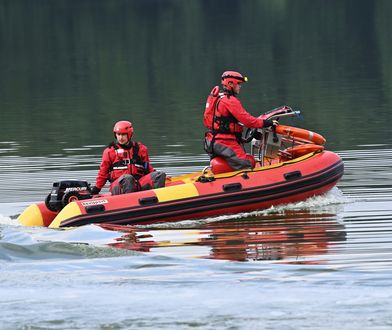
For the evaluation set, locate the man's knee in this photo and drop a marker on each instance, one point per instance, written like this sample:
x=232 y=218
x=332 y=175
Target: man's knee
x=126 y=184
x=153 y=180
x=159 y=179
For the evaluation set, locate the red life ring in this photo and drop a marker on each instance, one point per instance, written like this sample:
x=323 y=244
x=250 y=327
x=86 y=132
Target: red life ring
x=300 y=133
x=300 y=150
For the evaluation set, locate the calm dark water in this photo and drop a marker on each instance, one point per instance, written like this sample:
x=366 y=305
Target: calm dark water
x=70 y=69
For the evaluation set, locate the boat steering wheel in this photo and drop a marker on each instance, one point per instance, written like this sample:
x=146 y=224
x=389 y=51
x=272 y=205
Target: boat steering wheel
x=250 y=134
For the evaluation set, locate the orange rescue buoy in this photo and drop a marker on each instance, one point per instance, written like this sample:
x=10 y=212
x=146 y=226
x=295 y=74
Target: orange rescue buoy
x=300 y=150
x=300 y=133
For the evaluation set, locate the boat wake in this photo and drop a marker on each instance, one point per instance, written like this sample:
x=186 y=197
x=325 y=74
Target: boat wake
x=32 y=243
x=4 y=220
x=324 y=202
x=92 y=241
x=329 y=202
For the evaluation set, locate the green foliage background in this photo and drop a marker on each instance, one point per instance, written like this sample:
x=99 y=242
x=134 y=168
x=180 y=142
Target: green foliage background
x=70 y=69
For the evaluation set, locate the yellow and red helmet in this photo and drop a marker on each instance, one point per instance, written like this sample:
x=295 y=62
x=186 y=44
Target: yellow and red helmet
x=123 y=127
x=232 y=77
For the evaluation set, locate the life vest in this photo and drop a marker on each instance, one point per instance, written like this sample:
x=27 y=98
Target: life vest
x=214 y=121
x=124 y=164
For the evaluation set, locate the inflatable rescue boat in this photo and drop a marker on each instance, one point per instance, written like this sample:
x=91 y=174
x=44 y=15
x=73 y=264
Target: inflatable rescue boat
x=291 y=165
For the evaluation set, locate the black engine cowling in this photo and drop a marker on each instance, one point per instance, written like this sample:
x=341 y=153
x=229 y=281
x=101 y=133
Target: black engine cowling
x=66 y=191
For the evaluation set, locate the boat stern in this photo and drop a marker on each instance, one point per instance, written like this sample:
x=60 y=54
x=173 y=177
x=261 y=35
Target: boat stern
x=36 y=215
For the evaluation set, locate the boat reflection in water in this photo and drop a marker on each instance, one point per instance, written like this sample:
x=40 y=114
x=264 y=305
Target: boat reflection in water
x=294 y=237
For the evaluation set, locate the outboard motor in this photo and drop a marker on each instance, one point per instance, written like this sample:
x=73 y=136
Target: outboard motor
x=64 y=192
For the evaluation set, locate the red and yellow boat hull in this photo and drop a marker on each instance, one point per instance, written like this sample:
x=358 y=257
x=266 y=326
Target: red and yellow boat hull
x=199 y=195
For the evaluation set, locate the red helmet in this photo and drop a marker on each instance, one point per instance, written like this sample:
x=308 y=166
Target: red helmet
x=233 y=77
x=123 y=127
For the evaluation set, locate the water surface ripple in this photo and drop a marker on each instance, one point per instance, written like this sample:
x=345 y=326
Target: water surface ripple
x=330 y=255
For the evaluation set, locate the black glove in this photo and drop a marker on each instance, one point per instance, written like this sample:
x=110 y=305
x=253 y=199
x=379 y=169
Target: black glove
x=95 y=190
x=268 y=123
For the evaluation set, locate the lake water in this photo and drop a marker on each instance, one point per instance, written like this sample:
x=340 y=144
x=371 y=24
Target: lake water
x=71 y=69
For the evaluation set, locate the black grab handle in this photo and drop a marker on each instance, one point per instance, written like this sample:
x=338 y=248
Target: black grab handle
x=275 y=139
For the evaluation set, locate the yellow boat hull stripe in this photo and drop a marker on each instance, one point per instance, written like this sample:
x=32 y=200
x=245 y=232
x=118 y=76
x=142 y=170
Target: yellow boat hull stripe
x=176 y=192
x=71 y=210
